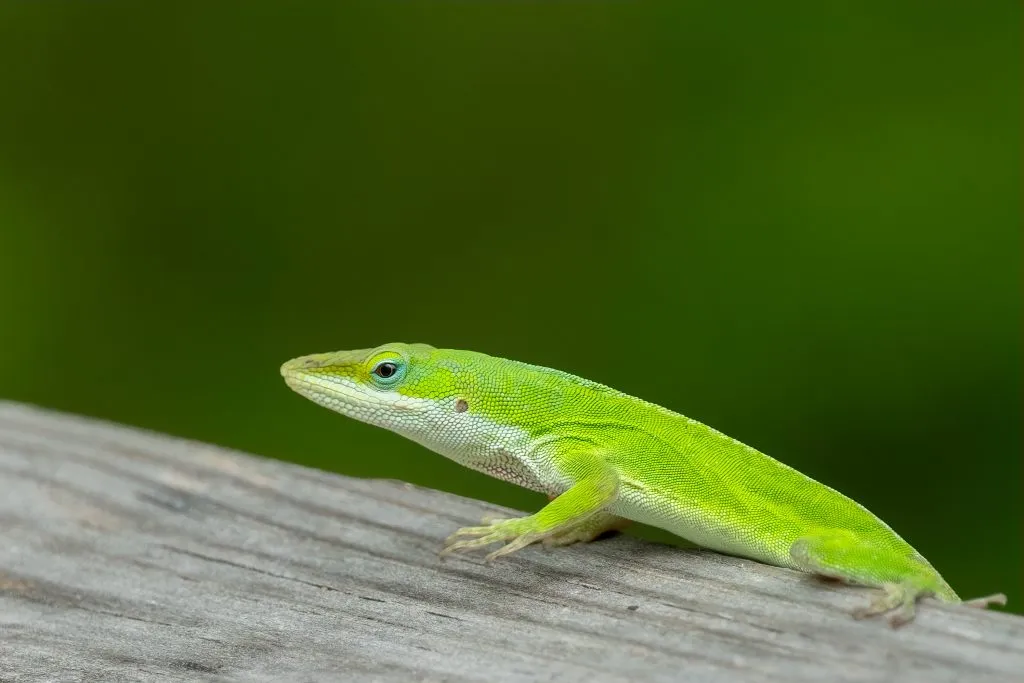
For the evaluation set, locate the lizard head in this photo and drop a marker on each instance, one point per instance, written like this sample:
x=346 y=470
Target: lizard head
x=402 y=387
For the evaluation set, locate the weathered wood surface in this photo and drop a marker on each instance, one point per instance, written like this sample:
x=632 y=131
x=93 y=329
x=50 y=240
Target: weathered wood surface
x=126 y=555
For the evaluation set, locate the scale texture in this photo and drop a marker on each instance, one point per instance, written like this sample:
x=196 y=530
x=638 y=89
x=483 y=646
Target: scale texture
x=131 y=556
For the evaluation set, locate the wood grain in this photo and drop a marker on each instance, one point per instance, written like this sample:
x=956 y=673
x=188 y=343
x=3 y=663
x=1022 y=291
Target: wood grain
x=132 y=556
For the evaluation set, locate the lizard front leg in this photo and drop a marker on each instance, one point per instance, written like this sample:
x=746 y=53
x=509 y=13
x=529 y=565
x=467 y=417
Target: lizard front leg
x=581 y=509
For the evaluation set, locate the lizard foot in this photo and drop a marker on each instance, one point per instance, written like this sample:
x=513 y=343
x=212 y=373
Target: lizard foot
x=901 y=600
x=515 y=531
x=521 y=532
x=895 y=598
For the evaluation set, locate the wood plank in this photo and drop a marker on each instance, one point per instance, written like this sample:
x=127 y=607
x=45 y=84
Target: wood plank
x=128 y=555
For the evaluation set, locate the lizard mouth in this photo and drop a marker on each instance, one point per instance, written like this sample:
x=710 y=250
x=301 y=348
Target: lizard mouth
x=346 y=396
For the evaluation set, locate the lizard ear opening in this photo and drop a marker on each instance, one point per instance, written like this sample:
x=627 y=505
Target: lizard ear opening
x=461 y=406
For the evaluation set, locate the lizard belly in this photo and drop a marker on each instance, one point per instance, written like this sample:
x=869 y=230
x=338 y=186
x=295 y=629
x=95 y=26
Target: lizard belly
x=698 y=525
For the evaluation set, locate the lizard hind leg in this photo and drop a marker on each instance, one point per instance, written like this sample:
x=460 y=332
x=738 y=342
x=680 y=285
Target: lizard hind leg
x=903 y=576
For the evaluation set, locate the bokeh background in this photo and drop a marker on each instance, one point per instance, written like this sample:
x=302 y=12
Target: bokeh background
x=799 y=222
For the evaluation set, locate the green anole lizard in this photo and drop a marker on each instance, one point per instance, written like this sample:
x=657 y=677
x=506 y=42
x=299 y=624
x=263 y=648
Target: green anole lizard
x=604 y=458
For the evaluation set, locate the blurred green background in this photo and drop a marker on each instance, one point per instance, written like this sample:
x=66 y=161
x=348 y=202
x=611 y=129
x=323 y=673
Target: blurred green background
x=798 y=222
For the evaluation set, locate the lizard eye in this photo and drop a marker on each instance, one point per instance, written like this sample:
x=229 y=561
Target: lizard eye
x=385 y=370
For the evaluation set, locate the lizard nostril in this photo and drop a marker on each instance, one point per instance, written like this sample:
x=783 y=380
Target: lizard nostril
x=461 y=406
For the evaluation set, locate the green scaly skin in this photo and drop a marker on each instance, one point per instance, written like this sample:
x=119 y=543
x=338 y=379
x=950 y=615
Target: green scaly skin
x=605 y=458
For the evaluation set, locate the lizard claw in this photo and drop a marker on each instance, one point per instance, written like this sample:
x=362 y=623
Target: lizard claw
x=511 y=547
x=460 y=546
